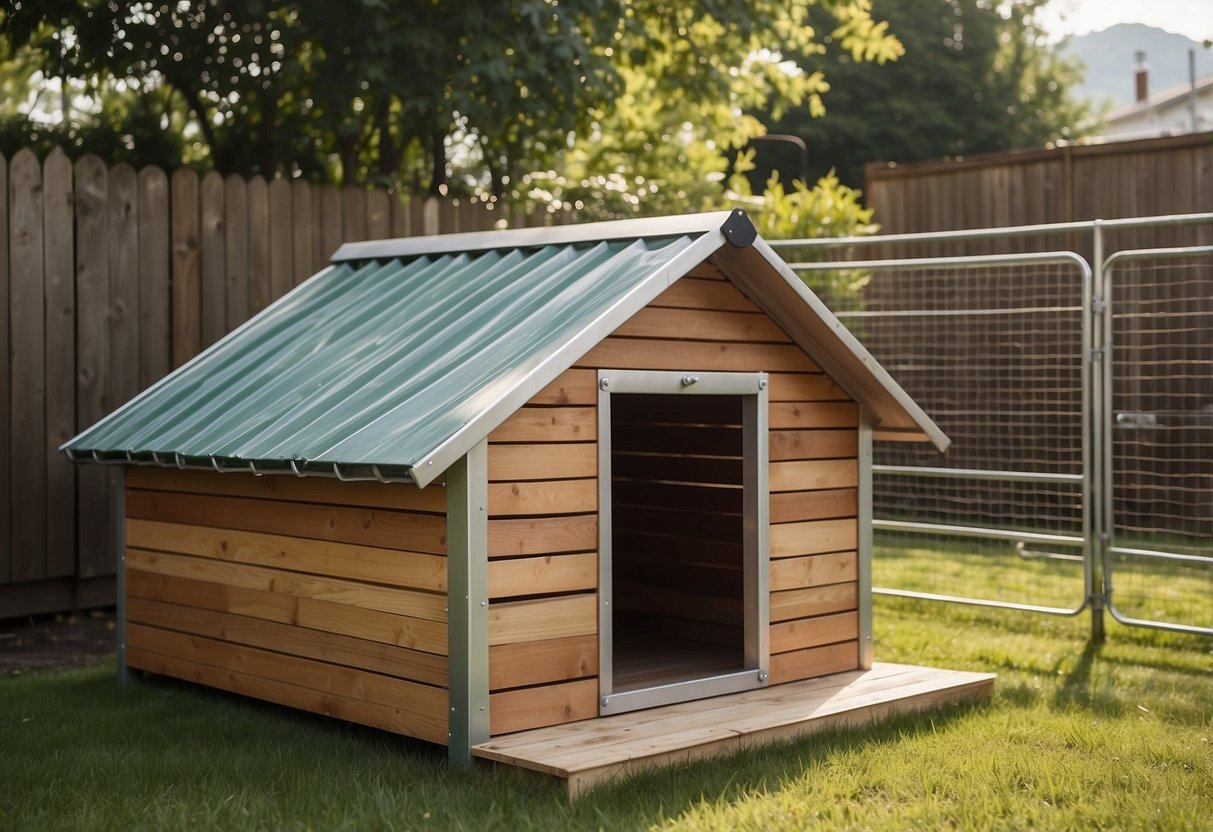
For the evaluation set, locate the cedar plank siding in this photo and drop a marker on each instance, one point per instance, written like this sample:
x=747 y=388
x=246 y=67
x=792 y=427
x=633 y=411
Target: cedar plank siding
x=313 y=593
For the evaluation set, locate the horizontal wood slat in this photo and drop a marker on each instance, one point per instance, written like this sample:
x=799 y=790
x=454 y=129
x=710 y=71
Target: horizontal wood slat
x=291 y=488
x=695 y=293
x=403 y=631
x=792 y=506
x=813 y=415
x=703 y=325
x=570 y=387
x=817 y=600
x=537 y=662
x=432 y=727
x=548 y=424
x=542 y=575
x=659 y=354
x=542 y=535
x=814 y=570
x=430 y=606
x=543 y=497
x=412 y=570
x=813 y=537
x=814 y=661
x=813 y=474
x=804 y=387
x=813 y=444
x=511 y=622
x=814 y=632
x=377 y=657
x=518 y=710
x=565 y=460
x=362 y=526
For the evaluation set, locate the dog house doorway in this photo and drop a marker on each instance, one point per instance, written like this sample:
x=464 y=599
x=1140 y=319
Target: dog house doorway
x=683 y=553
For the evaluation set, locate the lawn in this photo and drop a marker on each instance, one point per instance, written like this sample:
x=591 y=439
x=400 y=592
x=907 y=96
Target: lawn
x=1076 y=737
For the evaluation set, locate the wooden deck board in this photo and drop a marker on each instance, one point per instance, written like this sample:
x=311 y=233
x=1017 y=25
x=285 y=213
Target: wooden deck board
x=592 y=751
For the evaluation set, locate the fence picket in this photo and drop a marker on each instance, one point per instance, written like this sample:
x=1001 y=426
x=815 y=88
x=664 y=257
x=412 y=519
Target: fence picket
x=213 y=258
x=236 y=251
x=154 y=348
x=92 y=357
x=27 y=443
x=378 y=214
x=303 y=230
x=280 y=224
x=186 y=324
x=258 y=235
x=330 y=224
x=6 y=466
x=353 y=214
x=60 y=289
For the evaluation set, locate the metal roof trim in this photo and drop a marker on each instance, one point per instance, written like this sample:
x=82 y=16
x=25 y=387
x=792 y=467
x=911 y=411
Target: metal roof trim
x=854 y=358
x=591 y=232
x=480 y=426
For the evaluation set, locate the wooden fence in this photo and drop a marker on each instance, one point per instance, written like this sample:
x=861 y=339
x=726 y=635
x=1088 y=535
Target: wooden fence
x=1125 y=179
x=110 y=277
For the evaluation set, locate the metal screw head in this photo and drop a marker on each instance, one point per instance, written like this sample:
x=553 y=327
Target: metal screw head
x=762 y=675
x=762 y=384
x=688 y=380
x=604 y=383
x=604 y=701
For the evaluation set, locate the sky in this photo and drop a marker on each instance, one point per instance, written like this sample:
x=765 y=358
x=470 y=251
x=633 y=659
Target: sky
x=1193 y=18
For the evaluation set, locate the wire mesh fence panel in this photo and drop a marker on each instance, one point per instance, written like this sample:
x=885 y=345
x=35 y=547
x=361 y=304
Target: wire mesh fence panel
x=995 y=355
x=1161 y=429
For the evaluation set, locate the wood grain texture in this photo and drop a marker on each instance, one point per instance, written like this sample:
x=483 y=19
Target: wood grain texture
x=186 y=267
x=155 y=349
x=812 y=662
x=814 y=632
x=817 y=600
x=509 y=537
x=814 y=537
x=511 y=622
x=572 y=387
x=813 y=415
x=419 y=710
x=390 y=567
x=702 y=325
x=548 y=424
x=296 y=489
x=814 y=570
x=810 y=475
x=813 y=444
x=260 y=292
x=412 y=603
x=213 y=259
x=661 y=354
x=236 y=251
x=281 y=242
x=538 y=662
x=518 y=710
x=695 y=293
x=376 y=657
x=60 y=366
x=513 y=499
x=343 y=619
x=793 y=506
x=342 y=524
x=542 y=575
x=517 y=463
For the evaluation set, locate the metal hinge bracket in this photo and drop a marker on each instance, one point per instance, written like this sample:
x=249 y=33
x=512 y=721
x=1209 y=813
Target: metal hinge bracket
x=1099 y=305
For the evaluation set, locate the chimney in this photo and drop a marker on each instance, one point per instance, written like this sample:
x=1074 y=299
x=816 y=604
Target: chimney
x=1141 y=72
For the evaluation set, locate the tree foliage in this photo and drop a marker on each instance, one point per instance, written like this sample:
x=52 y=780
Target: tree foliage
x=976 y=76
x=621 y=106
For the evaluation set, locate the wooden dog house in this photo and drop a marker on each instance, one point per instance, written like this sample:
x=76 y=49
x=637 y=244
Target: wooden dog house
x=465 y=486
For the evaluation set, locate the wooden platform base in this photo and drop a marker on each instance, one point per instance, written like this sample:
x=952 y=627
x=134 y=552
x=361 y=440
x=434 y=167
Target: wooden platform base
x=593 y=751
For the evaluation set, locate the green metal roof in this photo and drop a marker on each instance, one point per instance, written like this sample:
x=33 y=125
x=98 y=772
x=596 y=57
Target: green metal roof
x=391 y=363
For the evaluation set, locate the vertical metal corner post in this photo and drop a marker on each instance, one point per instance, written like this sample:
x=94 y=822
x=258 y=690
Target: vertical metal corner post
x=864 y=577
x=1097 y=445
x=756 y=529
x=606 y=637
x=119 y=542
x=467 y=518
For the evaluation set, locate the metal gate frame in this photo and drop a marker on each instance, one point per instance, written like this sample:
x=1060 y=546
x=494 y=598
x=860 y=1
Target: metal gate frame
x=1098 y=539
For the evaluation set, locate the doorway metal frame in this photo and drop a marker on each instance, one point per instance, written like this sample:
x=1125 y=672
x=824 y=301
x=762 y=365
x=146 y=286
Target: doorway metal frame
x=752 y=388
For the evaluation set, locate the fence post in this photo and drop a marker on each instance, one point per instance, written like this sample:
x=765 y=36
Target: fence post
x=1099 y=465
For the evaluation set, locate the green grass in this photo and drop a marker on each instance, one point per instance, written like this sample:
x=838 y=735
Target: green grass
x=1076 y=737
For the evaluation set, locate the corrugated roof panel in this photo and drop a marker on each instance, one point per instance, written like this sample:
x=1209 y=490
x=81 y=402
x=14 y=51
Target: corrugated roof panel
x=380 y=362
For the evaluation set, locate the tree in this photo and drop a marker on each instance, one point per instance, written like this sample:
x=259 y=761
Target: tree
x=625 y=104
x=976 y=77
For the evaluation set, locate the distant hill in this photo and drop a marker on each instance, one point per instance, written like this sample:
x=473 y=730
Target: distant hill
x=1108 y=56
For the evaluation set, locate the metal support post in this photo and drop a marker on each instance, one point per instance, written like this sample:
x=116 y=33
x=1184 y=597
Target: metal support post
x=119 y=542
x=467 y=604
x=1097 y=456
